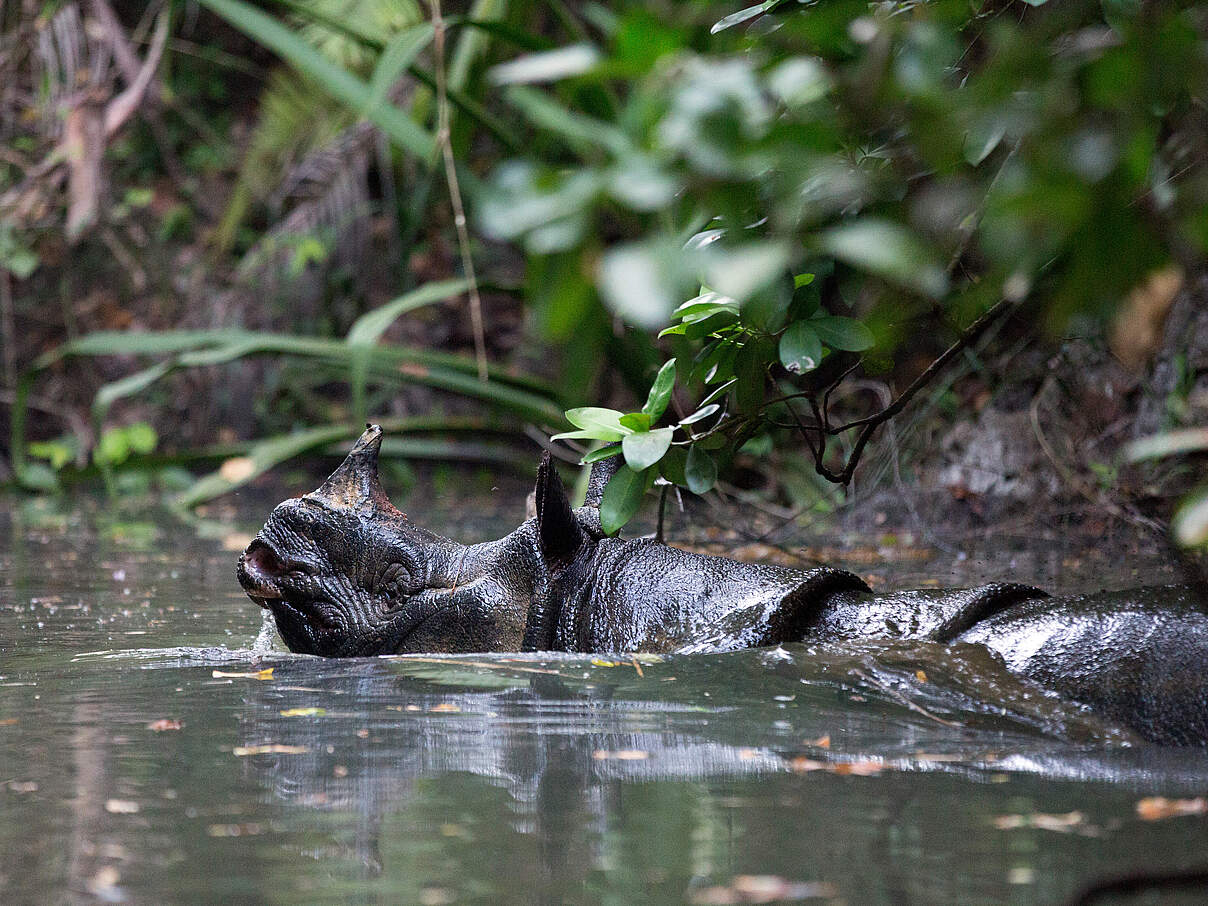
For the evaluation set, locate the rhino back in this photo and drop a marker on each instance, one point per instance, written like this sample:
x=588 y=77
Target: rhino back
x=1137 y=656
x=642 y=595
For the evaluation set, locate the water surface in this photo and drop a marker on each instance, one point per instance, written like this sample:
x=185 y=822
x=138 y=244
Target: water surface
x=149 y=755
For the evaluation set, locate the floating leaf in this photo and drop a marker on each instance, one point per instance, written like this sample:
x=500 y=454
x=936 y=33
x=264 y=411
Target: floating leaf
x=265 y=674
x=1158 y=808
x=303 y=712
x=271 y=748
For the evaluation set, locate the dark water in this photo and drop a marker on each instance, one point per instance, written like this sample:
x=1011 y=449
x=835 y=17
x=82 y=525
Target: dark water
x=149 y=755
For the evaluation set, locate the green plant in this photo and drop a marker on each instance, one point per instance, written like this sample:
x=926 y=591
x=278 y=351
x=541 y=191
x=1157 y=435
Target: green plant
x=1189 y=525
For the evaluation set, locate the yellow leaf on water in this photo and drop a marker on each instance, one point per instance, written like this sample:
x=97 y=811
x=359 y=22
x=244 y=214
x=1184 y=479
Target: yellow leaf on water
x=1157 y=808
x=272 y=748
x=600 y=662
x=445 y=708
x=621 y=755
x=265 y=674
x=920 y=675
x=303 y=712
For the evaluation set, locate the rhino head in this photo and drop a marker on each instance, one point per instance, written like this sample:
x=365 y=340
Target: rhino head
x=345 y=573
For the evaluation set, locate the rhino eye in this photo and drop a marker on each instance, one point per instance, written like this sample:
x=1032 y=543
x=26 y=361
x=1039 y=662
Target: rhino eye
x=395 y=575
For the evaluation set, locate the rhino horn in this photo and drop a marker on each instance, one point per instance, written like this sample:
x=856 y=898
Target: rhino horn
x=355 y=485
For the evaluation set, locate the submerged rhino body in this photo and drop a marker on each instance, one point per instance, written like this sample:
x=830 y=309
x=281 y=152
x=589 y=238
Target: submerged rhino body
x=347 y=574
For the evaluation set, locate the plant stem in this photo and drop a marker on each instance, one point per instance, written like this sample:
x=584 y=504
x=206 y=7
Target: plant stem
x=459 y=212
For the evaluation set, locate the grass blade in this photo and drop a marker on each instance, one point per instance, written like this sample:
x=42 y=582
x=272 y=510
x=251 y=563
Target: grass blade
x=340 y=83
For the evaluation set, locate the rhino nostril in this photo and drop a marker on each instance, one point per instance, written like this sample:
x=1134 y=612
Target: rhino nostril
x=260 y=561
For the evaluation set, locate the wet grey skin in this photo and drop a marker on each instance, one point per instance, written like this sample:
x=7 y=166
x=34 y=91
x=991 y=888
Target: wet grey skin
x=346 y=574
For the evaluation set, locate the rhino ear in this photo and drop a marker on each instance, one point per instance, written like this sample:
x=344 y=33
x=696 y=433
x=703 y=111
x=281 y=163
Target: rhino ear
x=557 y=527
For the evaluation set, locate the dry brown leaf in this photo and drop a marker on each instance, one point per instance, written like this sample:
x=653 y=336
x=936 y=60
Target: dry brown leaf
x=237 y=468
x=1158 y=808
x=164 y=723
x=1061 y=823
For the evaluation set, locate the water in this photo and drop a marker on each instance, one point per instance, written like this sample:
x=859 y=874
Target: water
x=152 y=752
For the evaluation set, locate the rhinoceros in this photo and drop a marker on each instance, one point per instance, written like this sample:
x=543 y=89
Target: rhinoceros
x=346 y=574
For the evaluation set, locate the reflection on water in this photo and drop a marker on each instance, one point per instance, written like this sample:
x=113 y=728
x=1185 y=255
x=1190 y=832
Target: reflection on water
x=133 y=770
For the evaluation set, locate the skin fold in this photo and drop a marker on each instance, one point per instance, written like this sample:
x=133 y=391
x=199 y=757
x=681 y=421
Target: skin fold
x=346 y=574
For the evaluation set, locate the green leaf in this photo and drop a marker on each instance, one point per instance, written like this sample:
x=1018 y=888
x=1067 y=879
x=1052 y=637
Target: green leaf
x=1168 y=443
x=888 y=250
x=672 y=466
x=400 y=53
x=127 y=386
x=141 y=437
x=368 y=328
x=592 y=434
x=702 y=413
x=839 y=332
x=637 y=282
x=636 y=421
x=1190 y=523
x=644 y=448
x=741 y=271
x=750 y=367
x=800 y=280
x=695 y=330
x=594 y=418
x=622 y=498
x=338 y=82
x=700 y=471
x=660 y=391
x=584 y=133
x=603 y=453
x=800 y=347
x=546 y=66
x=112 y=449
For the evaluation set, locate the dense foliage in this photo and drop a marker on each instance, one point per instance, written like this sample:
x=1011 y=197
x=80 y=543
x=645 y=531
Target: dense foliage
x=770 y=190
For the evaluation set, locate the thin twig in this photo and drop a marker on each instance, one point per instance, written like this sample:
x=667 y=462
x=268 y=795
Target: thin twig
x=869 y=424
x=444 y=140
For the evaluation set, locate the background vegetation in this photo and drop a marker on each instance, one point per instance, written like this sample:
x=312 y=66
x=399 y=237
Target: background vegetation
x=717 y=238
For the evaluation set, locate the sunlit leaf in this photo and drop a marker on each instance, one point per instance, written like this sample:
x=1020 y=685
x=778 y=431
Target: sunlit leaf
x=700 y=414
x=637 y=283
x=547 y=66
x=644 y=448
x=1190 y=523
x=741 y=271
x=887 y=250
